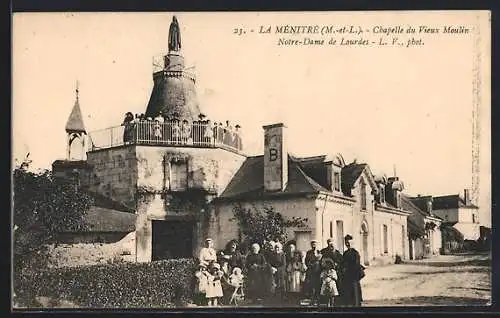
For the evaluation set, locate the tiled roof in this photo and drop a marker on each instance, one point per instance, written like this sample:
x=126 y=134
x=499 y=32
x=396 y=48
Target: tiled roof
x=315 y=168
x=414 y=230
x=408 y=204
x=350 y=174
x=453 y=201
x=421 y=202
x=75 y=120
x=248 y=182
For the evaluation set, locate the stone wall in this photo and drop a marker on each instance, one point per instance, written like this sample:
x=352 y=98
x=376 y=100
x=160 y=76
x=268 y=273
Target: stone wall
x=93 y=253
x=223 y=226
x=208 y=173
x=115 y=173
x=208 y=169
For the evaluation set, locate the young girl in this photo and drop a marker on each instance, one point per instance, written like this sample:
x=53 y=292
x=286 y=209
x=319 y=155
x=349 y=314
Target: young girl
x=201 y=285
x=214 y=290
x=329 y=278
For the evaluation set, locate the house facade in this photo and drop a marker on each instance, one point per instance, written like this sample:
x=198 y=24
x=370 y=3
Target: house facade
x=458 y=211
x=335 y=198
x=424 y=228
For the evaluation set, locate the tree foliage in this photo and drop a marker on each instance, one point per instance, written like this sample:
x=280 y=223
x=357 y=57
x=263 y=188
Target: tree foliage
x=264 y=226
x=42 y=207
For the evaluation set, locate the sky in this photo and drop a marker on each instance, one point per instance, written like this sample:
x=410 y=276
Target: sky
x=408 y=108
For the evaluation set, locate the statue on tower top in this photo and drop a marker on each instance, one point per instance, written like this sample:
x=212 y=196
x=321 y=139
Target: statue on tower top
x=174 y=36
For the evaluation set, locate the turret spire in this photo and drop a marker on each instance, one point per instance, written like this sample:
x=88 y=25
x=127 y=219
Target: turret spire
x=75 y=120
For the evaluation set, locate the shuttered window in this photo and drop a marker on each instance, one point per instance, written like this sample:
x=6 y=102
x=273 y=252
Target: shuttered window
x=384 y=234
x=336 y=181
x=340 y=236
x=178 y=176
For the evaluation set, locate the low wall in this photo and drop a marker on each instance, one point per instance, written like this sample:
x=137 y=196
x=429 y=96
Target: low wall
x=70 y=255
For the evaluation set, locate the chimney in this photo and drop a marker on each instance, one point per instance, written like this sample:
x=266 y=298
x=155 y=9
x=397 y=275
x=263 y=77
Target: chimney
x=394 y=186
x=275 y=158
x=466 y=196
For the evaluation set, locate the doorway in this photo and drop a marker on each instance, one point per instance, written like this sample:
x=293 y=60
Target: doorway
x=172 y=239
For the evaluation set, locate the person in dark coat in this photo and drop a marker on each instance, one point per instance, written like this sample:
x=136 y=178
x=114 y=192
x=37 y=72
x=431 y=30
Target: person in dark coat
x=331 y=253
x=313 y=273
x=256 y=266
x=128 y=122
x=277 y=260
x=229 y=258
x=352 y=269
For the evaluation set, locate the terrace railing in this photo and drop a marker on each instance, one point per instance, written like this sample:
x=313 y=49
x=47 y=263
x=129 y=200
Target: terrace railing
x=176 y=134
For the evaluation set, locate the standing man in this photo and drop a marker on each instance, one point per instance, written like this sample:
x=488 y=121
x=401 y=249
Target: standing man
x=313 y=273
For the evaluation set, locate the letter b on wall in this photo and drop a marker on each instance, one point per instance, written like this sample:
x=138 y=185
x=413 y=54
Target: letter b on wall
x=273 y=154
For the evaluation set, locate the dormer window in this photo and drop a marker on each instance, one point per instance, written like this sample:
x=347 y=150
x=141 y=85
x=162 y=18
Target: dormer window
x=382 y=194
x=336 y=181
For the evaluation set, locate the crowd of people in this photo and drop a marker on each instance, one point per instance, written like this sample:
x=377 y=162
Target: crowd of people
x=277 y=274
x=174 y=130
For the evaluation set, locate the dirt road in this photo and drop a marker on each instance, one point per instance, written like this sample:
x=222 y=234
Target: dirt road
x=443 y=280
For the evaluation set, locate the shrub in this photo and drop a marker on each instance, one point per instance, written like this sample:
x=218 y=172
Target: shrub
x=158 y=284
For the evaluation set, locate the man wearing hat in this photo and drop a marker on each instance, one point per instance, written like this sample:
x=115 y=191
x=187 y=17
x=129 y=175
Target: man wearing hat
x=313 y=273
x=207 y=253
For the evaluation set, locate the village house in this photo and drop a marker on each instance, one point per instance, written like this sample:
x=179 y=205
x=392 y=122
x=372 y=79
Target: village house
x=424 y=228
x=458 y=211
x=336 y=199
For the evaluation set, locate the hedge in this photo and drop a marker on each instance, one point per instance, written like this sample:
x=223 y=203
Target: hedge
x=158 y=284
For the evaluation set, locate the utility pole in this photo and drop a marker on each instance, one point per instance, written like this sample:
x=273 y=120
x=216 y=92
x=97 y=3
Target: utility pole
x=476 y=126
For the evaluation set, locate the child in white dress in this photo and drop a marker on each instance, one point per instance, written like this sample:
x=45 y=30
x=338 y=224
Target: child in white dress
x=201 y=284
x=329 y=279
x=214 y=289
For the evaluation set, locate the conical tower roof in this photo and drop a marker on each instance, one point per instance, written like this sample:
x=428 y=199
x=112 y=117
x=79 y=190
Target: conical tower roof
x=75 y=120
x=174 y=90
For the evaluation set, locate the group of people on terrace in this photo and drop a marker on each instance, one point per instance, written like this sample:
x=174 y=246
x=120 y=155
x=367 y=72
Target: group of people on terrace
x=165 y=129
x=278 y=274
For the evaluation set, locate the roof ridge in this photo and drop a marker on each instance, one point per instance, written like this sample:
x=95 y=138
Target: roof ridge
x=408 y=200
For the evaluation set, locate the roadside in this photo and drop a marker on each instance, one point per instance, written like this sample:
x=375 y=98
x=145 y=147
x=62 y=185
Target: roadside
x=449 y=280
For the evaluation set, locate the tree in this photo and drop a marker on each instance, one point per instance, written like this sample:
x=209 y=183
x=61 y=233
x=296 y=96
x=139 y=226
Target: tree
x=42 y=207
x=264 y=226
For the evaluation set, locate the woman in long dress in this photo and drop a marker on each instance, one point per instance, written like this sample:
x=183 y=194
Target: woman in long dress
x=278 y=262
x=256 y=266
x=295 y=270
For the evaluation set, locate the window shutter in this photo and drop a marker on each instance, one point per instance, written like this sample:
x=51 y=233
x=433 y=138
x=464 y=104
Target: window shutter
x=178 y=174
